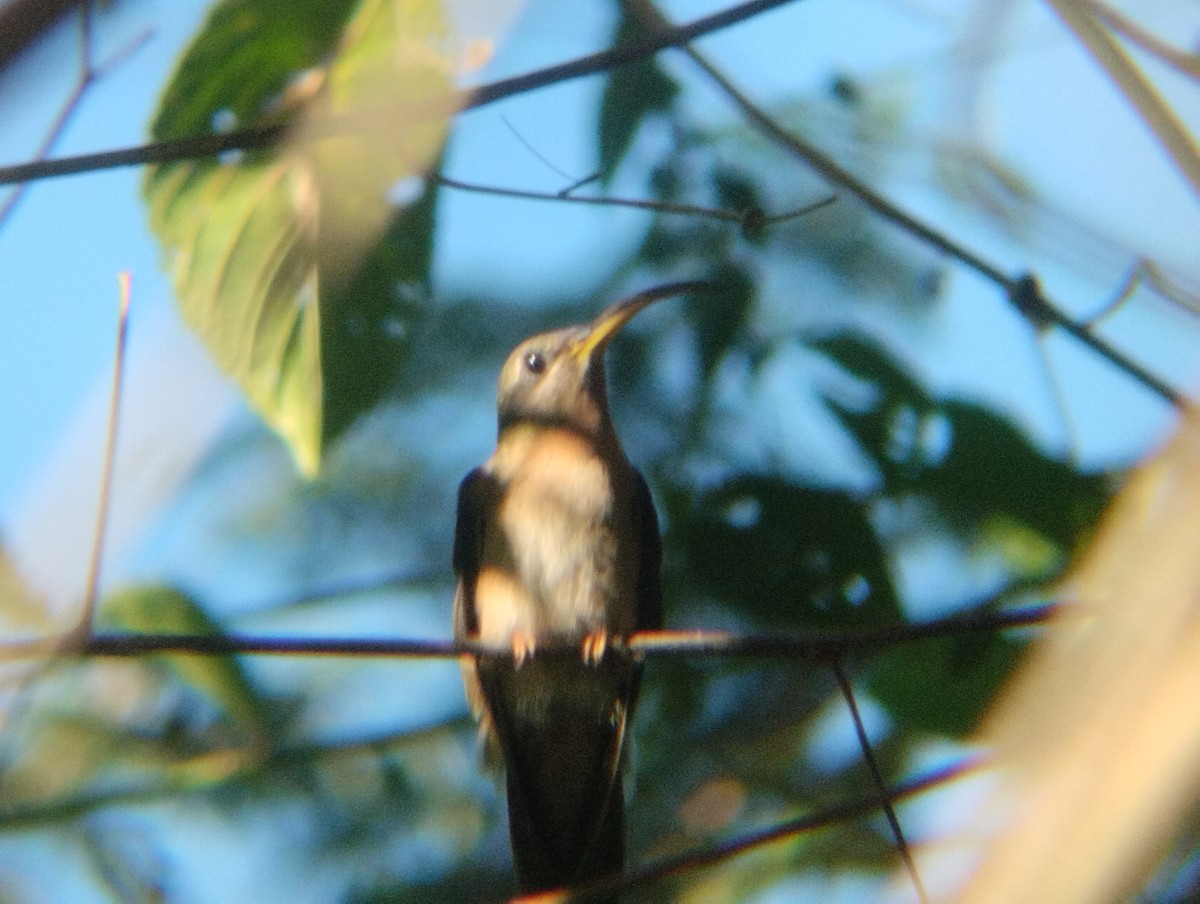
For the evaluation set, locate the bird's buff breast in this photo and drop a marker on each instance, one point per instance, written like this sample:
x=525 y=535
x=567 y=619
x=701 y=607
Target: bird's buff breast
x=552 y=564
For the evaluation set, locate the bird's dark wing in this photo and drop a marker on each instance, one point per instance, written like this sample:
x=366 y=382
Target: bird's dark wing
x=476 y=495
x=649 y=582
x=473 y=500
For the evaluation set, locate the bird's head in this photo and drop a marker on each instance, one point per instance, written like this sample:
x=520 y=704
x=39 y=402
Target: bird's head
x=557 y=378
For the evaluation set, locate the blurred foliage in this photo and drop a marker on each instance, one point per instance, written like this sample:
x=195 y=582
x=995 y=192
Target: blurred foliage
x=368 y=377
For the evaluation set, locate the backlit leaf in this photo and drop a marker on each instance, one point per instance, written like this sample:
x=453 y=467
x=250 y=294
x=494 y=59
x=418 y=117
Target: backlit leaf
x=266 y=246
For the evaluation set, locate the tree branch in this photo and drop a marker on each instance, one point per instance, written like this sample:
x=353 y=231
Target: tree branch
x=258 y=137
x=22 y=22
x=1015 y=288
x=820 y=819
x=1171 y=132
x=810 y=646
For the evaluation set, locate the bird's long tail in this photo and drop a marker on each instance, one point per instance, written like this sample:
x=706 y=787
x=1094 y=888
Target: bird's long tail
x=574 y=858
x=566 y=808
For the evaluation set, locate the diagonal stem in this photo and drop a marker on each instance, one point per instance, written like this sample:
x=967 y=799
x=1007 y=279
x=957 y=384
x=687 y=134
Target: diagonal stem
x=885 y=799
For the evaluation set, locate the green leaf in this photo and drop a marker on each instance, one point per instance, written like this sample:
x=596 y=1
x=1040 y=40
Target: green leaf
x=243 y=269
x=164 y=610
x=241 y=61
x=991 y=469
x=943 y=686
x=980 y=470
x=719 y=317
x=788 y=555
x=368 y=338
x=631 y=93
x=271 y=251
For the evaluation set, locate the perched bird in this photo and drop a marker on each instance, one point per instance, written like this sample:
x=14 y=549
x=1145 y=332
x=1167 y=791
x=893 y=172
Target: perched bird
x=557 y=546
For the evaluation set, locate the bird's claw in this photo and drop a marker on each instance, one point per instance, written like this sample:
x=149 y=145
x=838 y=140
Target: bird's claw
x=595 y=643
x=523 y=644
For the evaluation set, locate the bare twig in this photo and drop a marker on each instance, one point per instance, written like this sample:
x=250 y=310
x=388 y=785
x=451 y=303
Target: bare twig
x=1025 y=293
x=817 y=647
x=89 y=74
x=1172 y=134
x=87 y=619
x=198 y=146
x=751 y=220
x=1146 y=271
x=538 y=155
x=885 y=800
x=1186 y=63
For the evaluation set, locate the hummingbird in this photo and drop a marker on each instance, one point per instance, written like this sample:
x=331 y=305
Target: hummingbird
x=556 y=552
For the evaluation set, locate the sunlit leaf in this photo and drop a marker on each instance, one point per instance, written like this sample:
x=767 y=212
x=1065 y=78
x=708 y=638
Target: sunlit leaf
x=381 y=116
x=270 y=250
x=241 y=259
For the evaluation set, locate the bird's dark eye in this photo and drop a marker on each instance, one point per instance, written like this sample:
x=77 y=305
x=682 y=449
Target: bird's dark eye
x=535 y=363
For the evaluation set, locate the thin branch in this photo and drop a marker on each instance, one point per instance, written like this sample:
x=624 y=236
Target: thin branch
x=885 y=800
x=1157 y=114
x=537 y=155
x=1147 y=271
x=193 y=147
x=89 y=74
x=87 y=619
x=811 y=822
x=1014 y=288
x=812 y=647
x=751 y=220
x=1026 y=295
x=1186 y=63
x=653 y=18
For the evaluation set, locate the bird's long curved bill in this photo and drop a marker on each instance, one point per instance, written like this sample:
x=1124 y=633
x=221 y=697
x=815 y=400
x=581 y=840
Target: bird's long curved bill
x=616 y=315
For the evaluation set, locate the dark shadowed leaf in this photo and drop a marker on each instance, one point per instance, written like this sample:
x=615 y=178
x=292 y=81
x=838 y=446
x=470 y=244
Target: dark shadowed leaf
x=631 y=94
x=241 y=61
x=943 y=686
x=719 y=317
x=992 y=467
x=979 y=469
x=788 y=555
x=369 y=333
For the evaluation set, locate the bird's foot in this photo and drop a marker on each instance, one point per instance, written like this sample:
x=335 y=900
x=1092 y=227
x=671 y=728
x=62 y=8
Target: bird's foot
x=595 y=643
x=523 y=644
